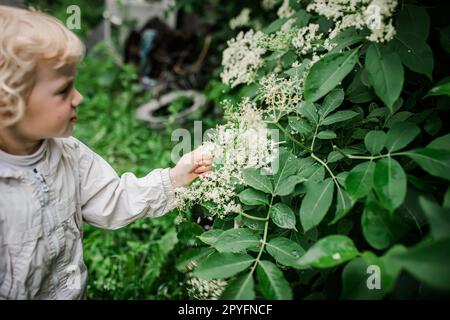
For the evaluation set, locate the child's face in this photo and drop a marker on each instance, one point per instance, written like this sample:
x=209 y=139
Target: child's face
x=51 y=106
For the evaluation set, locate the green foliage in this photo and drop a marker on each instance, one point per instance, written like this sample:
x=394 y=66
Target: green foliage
x=362 y=179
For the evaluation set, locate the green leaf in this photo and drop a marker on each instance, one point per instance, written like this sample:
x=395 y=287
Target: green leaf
x=253 y=197
x=300 y=125
x=428 y=262
x=332 y=101
x=287 y=167
x=242 y=288
x=442 y=88
x=414 y=53
x=438 y=218
x=275 y=26
x=327 y=73
x=390 y=268
x=360 y=180
x=255 y=179
x=285 y=251
x=236 y=240
x=190 y=258
x=375 y=141
x=435 y=162
x=329 y=252
x=287 y=186
x=400 y=135
x=441 y=143
x=272 y=282
x=316 y=203
x=354 y=282
x=413 y=19
x=375 y=226
x=446 y=202
x=343 y=206
x=210 y=236
x=326 y=134
x=390 y=183
x=309 y=111
x=339 y=117
x=346 y=38
x=385 y=72
x=283 y=216
x=221 y=265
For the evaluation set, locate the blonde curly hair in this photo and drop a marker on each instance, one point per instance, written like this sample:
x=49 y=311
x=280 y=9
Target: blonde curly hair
x=26 y=38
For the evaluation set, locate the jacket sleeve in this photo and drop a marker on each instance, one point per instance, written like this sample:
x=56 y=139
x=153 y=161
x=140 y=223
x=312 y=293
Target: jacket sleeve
x=111 y=202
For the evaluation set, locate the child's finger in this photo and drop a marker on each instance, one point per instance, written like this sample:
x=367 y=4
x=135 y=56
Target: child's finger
x=202 y=169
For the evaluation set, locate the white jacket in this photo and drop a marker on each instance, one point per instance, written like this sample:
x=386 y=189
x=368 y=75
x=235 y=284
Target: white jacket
x=44 y=200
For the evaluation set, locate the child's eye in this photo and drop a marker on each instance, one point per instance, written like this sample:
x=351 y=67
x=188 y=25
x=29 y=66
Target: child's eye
x=65 y=90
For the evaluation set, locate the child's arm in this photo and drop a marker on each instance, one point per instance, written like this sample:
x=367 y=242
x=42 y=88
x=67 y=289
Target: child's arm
x=112 y=202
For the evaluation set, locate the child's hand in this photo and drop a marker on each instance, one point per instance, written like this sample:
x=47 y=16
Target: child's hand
x=190 y=166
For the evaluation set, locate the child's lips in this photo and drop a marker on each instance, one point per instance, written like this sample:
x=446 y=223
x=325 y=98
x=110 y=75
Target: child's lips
x=73 y=119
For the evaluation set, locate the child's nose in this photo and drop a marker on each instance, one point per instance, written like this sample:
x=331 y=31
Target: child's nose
x=77 y=98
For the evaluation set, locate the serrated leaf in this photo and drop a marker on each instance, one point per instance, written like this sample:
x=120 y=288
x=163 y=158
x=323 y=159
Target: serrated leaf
x=414 y=53
x=360 y=180
x=326 y=134
x=327 y=73
x=329 y=252
x=389 y=183
x=375 y=141
x=300 y=125
x=309 y=111
x=283 y=216
x=221 y=265
x=210 y=236
x=272 y=282
x=256 y=180
x=242 y=288
x=285 y=251
x=400 y=135
x=386 y=74
x=435 y=162
x=316 y=203
x=339 y=116
x=253 y=197
x=236 y=240
x=375 y=226
x=190 y=259
x=331 y=102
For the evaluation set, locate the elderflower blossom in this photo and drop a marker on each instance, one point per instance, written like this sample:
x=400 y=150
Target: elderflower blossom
x=200 y=289
x=306 y=38
x=241 y=20
x=280 y=94
x=269 y=4
x=243 y=142
x=242 y=58
x=278 y=41
x=376 y=15
x=285 y=10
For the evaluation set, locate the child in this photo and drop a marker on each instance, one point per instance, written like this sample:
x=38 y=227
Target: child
x=50 y=183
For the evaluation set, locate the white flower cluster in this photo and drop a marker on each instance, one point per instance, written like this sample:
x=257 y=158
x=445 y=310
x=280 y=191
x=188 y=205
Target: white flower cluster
x=242 y=58
x=376 y=15
x=285 y=10
x=243 y=142
x=307 y=38
x=281 y=94
x=241 y=20
x=199 y=289
x=280 y=40
x=269 y=4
